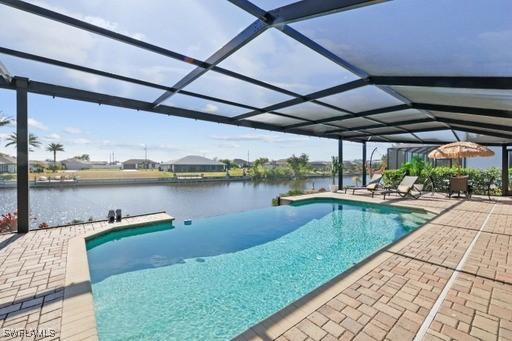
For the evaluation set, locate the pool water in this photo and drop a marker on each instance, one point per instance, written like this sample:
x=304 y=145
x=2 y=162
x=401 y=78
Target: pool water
x=219 y=276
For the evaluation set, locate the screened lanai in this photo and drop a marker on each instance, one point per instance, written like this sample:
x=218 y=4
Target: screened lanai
x=404 y=71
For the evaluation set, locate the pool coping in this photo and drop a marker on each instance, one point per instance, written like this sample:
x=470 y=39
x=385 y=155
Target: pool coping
x=356 y=199
x=78 y=314
x=273 y=326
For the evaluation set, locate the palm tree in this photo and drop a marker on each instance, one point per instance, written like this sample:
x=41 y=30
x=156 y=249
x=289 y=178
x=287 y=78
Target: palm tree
x=4 y=121
x=55 y=147
x=32 y=141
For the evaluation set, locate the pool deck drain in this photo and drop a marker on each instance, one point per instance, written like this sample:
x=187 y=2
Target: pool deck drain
x=44 y=283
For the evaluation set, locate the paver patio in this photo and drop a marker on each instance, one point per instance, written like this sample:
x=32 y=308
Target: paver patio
x=32 y=279
x=389 y=297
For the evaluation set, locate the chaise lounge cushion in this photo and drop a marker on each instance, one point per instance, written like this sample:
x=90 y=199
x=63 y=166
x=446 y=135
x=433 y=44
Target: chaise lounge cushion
x=403 y=188
x=372 y=186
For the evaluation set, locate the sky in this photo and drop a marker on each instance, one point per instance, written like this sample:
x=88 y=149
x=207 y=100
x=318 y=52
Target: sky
x=197 y=29
x=86 y=128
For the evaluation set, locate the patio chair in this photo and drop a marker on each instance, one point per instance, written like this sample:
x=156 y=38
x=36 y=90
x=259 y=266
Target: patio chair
x=405 y=188
x=459 y=184
x=489 y=186
x=372 y=186
x=111 y=216
x=119 y=215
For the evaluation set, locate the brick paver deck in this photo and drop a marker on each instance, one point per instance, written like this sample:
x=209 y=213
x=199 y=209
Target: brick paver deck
x=32 y=278
x=388 y=298
x=391 y=298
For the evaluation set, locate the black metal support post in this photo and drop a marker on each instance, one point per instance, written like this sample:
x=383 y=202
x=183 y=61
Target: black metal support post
x=364 y=163
x=340 y=159
x=504 y=170
x=22 y=153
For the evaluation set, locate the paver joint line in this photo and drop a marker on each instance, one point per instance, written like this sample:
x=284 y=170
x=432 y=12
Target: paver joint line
x=420 y=335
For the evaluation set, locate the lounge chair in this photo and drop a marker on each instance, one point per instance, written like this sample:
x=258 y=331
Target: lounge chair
x=372 y=186
x=405 y=188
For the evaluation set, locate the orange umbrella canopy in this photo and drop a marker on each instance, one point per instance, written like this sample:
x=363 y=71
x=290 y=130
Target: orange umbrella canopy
x=458 y=150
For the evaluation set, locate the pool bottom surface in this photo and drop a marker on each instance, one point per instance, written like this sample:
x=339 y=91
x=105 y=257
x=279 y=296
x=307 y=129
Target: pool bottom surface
x=221 y=294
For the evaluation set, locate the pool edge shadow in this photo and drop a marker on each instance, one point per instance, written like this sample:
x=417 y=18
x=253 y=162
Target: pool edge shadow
x=278 y=323
x=78 y=314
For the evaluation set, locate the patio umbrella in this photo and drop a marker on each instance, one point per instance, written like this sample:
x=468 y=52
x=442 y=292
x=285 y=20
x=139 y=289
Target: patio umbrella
x=458 y=150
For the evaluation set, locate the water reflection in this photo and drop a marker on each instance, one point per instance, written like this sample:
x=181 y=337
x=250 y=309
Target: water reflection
x=58 y=206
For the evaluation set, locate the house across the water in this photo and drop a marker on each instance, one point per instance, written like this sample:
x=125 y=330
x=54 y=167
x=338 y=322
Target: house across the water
x=76 y=164
x=242 y=163
x=7 y=164
x=193 y=163
x=140 y=164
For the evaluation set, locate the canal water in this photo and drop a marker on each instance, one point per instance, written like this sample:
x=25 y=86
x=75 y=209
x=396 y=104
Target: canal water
x=59 y=206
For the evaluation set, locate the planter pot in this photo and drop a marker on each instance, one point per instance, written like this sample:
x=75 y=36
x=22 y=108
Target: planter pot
x=334 y=188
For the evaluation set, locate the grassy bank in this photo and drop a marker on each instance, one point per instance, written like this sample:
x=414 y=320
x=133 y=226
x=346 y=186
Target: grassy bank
x=125 y=174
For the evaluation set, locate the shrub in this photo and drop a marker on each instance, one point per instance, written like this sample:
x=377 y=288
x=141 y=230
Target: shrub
x=392 y=177
x=441 y=177
x=275 y=201
x=292 y=192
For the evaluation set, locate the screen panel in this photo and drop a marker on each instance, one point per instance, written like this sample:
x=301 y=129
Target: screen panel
x=192 y=27
x=361 y=99
x=272 y=4
x=400 y=137
x=79 y=80
x=398 y=116
x=469 y=128
x=478 y=98
x=232 y=89
x=317 y=128
x=382 y=130
x=32 y=34
x=353 y=122
x=420 y=37
x=425 y=125
x=275 y=58
x=481 y=119
x=202 y=105
x=274 y=120
x=439 y=135
x=481 y=138
x=311 y=111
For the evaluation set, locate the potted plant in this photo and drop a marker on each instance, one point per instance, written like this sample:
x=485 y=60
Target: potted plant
x=335 y=168
x=8 y=222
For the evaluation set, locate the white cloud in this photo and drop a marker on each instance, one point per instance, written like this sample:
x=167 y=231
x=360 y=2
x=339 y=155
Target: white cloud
x=211 y=108
x=262 y=138
x=107 y=144
x=72 y=130
x=35 y=124
x=51 y=137
x=80 y=140
x=228 y=144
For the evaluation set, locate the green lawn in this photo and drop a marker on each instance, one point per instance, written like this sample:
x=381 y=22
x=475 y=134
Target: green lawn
x=121 y=174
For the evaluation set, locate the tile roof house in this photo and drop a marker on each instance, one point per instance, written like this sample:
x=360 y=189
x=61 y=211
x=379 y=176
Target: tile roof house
x=140 y=164
x=193 y=163
x=76 y=164
x=7 y=163
x=242 y=163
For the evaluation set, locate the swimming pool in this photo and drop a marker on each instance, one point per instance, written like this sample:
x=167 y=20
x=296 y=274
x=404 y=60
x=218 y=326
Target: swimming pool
x=217 y=277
